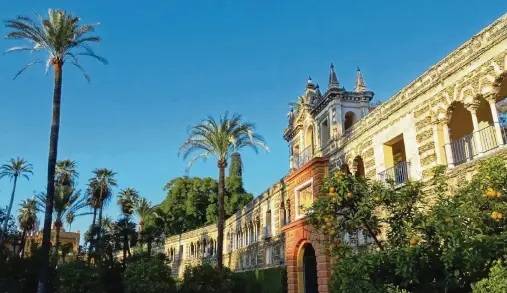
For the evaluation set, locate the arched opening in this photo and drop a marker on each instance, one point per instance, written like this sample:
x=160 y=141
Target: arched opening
x=358 y=166
x=307 y=261
x=462 y=145
x=345 y=169
x=350 y=119
x=309 y=137
x=258 y=227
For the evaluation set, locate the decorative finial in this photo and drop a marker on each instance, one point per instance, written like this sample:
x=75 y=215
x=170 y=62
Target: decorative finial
x=309 y=84
x=333 y=81
x=360 y=86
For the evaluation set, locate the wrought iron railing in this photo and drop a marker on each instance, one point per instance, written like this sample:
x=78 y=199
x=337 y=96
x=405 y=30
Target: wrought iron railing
x=398 y=174
x=466 y=149
x=304 y=156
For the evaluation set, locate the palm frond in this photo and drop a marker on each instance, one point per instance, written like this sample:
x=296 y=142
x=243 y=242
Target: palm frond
x=26 y=67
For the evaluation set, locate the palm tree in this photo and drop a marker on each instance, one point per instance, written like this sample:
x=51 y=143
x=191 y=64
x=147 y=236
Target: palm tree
x=66 y=201
x=151 y=235
x=66 y=173
x=220 y=139
x=127 y=200
x=101 y=187
x=143 y=210
x=27 y=218
x=13 y=169
x=64 y=39
x=70 y=219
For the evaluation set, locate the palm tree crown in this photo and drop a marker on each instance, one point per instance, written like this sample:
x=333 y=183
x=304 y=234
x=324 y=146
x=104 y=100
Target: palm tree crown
x=66 y=173
x=61 y=36
x=221 y=139
x=16 y=168
x=127 y=200
x=143 y=210
x=27 y=215
x=101 y=185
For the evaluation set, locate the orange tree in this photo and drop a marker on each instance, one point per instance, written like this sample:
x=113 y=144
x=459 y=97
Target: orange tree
x=441 y=247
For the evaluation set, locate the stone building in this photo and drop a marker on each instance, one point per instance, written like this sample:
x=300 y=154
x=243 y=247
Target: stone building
x=35 y=238
x=446 y=116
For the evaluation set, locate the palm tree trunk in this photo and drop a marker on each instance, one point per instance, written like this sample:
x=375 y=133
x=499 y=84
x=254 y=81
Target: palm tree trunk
x=149 y=247
x=53 y=150
x=57 y=239
x=221 y=212
x=23 y=240
x=99 y=230
x=93 y=231
x=6 y=221
x=125 y=243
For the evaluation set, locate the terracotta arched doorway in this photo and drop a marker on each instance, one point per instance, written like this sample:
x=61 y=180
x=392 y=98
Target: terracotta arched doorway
x=307 y=277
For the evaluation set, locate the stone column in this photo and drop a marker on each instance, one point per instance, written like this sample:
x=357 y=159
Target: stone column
x=494 y=113
x=447 y=145
x=473 y=107
x=437 y=144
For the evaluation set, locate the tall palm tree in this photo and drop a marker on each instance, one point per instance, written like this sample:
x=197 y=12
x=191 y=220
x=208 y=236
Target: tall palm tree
x=126 y=200
x=66 y=173
x=27 y=218
x=220 y=139
x=63 y=39
x=66 y=201
x=102 y=190
x=70 y=219
x=13 y=169
x=143 y=210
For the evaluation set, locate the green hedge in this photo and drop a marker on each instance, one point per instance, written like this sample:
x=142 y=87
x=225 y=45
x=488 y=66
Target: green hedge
x=273 y=280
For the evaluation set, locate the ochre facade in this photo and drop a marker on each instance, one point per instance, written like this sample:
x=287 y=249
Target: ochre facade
x=447 y=116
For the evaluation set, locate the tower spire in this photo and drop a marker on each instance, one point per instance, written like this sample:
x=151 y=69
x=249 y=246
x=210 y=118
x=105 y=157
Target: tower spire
x=360 y=86
x=333 y=81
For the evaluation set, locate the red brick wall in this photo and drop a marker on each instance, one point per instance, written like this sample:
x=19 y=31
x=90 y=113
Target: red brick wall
x=298 y=233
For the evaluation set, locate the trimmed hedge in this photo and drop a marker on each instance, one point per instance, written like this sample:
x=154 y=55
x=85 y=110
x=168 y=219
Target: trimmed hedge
x=272 y=280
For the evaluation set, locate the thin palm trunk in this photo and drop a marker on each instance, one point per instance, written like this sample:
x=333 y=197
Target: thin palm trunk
x=101 y=202
x=53 y=150
x=6 y=221
x=57 y=237
x=125 y=246
x=221 y=212
x=149 y=247
x=23 y=240
x=93 y=231
x=70 y=227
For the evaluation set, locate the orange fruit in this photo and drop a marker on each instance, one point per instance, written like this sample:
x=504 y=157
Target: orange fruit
x=349 y=194
x=331 y=190
x=499 y=215
x=491 y=192
x=494 y=215
x=499 y=194
x=447 y=220
x=413 y=241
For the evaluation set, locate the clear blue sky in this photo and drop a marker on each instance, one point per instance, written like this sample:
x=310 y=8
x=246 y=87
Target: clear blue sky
x=175 y=62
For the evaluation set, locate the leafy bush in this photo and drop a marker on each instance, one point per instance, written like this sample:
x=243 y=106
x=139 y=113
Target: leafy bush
x=272 y=280
x=495 y=283
x=210 y=279
x=148 y=275
x=78 y=277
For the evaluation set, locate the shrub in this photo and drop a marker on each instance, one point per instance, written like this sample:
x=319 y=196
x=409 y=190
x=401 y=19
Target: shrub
x=210 y=279
x=495 y=283
x=148 y=275
x=272 y=280
x=78 y=277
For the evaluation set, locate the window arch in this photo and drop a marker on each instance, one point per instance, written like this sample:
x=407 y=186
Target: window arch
x=350 y=119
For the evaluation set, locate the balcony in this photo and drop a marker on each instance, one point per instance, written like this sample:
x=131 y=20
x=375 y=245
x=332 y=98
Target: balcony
x=473 y=145
x=398 y=174
x=304 y=156
x=267 y=232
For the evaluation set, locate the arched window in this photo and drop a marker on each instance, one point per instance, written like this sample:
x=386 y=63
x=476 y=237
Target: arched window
x=350 y=119
x=358 y=166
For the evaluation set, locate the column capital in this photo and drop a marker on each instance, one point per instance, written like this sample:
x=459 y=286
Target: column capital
x=490 y=97
x=473 y=106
